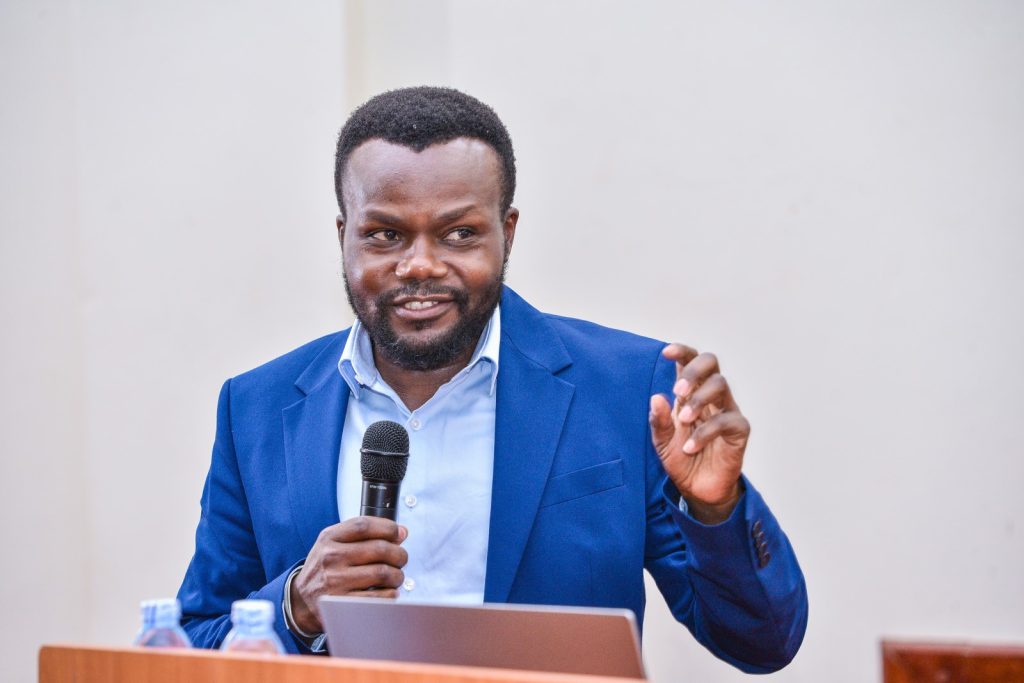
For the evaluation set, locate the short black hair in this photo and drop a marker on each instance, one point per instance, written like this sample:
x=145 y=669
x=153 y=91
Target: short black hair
x=420 y=117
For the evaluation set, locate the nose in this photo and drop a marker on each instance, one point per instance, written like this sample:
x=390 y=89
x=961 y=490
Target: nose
x=420 y=262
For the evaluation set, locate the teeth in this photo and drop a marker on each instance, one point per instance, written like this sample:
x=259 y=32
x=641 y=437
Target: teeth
x=418 y=305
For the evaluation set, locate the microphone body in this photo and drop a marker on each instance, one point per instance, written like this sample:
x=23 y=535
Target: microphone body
x=384 y=457
x=380 y=499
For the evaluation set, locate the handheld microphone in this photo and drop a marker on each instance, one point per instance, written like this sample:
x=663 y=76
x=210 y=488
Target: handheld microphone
x=384 y=458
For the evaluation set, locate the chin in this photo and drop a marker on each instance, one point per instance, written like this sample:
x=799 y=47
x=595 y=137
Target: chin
x=423 y=326
x=423 y=343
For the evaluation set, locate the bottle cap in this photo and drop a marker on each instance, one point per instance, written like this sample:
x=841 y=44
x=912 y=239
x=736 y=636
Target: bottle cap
x=161 y=612
x=250 y=614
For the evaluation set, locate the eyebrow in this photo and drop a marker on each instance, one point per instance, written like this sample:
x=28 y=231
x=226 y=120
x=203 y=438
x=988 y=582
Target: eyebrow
x=446 y=217
x=382 y=217
x=455 y=214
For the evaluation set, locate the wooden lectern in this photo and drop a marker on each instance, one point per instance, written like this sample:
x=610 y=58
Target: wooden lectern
x=86 y=664
x=904 y=662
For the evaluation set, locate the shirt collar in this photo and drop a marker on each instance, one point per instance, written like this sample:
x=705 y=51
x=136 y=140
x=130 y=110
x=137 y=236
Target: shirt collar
x=358 y=369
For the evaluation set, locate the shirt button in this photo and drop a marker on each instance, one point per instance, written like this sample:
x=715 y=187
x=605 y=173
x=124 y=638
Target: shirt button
x=409 y=584
x=410 y=501
x=415 y=423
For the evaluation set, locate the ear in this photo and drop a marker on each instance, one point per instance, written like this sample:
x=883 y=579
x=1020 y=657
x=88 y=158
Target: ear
x=509 y=228
x=340 y=222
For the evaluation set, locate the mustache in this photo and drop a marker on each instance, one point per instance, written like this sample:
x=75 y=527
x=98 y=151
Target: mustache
x=413 y=289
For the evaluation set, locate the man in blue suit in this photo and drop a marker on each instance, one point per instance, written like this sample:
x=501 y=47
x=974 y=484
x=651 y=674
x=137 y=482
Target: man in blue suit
x=552 y=460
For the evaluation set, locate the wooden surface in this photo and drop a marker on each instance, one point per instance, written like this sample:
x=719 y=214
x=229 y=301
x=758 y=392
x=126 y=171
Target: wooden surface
x=85 y=664
x=951 y=663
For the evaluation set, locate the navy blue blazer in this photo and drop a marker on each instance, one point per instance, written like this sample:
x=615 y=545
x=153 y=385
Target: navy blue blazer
x=580 y=504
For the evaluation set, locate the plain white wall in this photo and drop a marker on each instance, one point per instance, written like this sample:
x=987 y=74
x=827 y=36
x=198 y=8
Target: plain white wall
x=167 y=221
x=205 y=214
x=44 y=528
x=830 y=198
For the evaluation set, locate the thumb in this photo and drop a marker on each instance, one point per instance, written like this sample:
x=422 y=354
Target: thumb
x=660 y=419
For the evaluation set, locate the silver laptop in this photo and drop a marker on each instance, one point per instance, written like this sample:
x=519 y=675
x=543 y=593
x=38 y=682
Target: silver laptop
x=578 y=640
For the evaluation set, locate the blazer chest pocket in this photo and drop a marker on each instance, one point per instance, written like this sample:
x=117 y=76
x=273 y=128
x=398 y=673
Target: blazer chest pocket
x=580 y=483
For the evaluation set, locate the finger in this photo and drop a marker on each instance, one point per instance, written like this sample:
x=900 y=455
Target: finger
x=694 y=373
x=368 y=576
x=362 y=529
x=732 y=427
x=713 y=393
x=680 y=353
x=367 y=553
x=376 y=593
x=660 y=419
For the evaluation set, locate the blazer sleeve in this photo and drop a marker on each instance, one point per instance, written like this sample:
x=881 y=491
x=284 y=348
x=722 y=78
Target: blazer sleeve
x=737 y=585
x=226 y=565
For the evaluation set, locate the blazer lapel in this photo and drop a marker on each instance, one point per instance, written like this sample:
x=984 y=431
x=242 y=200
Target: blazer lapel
x=312 y=441
x=532 y=404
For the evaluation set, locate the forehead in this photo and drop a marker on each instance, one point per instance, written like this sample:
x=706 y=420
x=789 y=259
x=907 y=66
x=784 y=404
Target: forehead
x=383 y=173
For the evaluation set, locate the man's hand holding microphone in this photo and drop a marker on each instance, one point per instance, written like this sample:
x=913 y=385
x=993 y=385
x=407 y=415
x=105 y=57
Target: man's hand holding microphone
x=362 y=556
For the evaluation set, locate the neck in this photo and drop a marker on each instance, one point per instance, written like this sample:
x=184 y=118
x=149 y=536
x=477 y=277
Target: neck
x=415 y=387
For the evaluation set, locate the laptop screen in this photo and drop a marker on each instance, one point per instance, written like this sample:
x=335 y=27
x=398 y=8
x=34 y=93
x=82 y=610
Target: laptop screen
x=577 y=640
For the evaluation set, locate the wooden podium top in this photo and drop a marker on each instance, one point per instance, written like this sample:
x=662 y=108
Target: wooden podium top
x=910 y=662
x=89 y=664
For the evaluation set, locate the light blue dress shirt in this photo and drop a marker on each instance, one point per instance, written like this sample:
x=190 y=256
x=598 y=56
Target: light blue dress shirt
x=446 y=493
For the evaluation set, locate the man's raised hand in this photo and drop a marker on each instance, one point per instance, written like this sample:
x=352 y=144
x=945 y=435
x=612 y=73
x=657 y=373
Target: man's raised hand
x=701 y=437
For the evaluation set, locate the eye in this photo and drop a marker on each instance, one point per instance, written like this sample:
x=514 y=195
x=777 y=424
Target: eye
x=384 y=235
x=459 y=234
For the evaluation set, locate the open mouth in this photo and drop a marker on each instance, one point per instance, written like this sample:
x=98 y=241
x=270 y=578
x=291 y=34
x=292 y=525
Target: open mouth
x=419 y=305
x=422 y=308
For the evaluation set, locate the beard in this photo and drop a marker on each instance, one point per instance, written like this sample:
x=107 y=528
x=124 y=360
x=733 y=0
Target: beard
x=439 y=351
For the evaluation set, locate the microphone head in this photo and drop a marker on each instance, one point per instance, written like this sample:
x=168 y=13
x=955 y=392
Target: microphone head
x=385 y=451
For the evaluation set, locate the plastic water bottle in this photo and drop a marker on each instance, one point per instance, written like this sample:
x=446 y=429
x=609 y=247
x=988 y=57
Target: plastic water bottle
x=160 y=624
x=252 y=628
